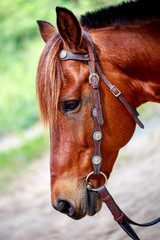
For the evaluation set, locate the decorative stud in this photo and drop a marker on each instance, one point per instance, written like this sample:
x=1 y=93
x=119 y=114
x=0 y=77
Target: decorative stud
x=96 y=160
x=63 y=54
x=97 y=135
x=95 y=112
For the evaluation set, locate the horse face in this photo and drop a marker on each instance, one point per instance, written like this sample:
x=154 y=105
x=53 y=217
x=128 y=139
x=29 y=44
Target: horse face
x=71 y=145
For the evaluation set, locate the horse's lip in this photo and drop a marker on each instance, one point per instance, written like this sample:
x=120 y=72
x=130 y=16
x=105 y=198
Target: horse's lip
x=78 y=217
x=90 y=204
x=93 y=200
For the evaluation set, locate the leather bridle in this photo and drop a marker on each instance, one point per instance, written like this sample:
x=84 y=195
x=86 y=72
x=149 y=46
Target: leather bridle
x=97 y=115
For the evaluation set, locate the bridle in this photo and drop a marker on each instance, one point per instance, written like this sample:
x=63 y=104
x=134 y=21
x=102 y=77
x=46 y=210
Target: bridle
x=97 y=115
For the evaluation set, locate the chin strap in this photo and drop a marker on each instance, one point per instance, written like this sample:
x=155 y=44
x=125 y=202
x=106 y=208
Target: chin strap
x=119 y=216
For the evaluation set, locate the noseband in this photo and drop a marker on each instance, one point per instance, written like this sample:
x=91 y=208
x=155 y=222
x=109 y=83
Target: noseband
x=97 y=115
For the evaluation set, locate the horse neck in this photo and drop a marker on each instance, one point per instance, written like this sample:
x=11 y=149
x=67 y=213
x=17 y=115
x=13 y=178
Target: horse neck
x=131 y=55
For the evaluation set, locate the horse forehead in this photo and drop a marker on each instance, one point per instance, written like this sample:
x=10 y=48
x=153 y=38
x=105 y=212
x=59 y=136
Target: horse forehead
x=75 y=71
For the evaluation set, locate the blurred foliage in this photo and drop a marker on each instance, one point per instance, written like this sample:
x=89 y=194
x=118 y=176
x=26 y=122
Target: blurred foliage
x=17 y=160
x=21 y=47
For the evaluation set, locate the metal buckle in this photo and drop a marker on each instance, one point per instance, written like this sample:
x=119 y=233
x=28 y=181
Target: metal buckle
x=114 y=87
x=93 y=75
x=89 y=184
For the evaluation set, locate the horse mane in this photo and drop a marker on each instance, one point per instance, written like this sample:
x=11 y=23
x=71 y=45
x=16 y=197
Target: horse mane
x=49 y=80
x=124 y=12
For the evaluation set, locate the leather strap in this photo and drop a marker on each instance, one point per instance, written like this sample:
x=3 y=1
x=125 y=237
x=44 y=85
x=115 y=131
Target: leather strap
x=98 y=117
x=74 y=56
x=119 y=215
x=115 y=91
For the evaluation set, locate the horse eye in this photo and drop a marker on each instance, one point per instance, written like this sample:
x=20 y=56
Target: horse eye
x=70 y=105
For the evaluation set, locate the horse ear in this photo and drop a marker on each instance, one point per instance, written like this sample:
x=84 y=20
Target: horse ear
x=69 y=28
x=46 y=30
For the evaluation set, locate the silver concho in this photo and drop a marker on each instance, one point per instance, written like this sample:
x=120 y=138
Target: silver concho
x=96 y=160
x=63 y=54
x=95 y=112
x=97 y=135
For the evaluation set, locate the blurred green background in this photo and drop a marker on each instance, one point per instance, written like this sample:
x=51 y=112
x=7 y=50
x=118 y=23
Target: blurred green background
x=21 y=135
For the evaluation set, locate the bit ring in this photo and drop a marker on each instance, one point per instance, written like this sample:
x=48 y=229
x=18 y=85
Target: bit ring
x=89 y=185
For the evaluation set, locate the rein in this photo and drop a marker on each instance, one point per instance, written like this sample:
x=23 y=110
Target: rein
x=97 y=134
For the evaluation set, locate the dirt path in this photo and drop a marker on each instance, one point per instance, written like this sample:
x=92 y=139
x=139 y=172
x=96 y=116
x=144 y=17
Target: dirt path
x=26 y=213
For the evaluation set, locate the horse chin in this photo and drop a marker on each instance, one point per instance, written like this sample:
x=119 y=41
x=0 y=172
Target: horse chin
x=90 y=204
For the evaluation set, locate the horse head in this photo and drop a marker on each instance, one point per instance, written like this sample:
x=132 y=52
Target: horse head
x=66 y=100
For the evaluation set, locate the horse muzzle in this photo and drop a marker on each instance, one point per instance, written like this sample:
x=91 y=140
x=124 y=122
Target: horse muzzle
x=89 y=204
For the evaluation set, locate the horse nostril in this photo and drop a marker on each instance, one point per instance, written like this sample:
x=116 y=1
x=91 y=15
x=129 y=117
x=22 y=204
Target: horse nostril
x=66 y=207
x=60 y=206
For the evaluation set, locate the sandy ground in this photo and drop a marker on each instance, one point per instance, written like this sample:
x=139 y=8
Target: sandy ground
x=26 y=212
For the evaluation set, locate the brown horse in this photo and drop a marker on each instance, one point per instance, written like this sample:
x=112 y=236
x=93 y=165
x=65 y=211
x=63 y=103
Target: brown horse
x=126 y=39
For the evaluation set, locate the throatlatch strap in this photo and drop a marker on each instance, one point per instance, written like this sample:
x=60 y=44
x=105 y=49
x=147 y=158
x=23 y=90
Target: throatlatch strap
x=119 y=216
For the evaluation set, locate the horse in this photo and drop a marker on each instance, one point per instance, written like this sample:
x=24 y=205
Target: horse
x=126 y=40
